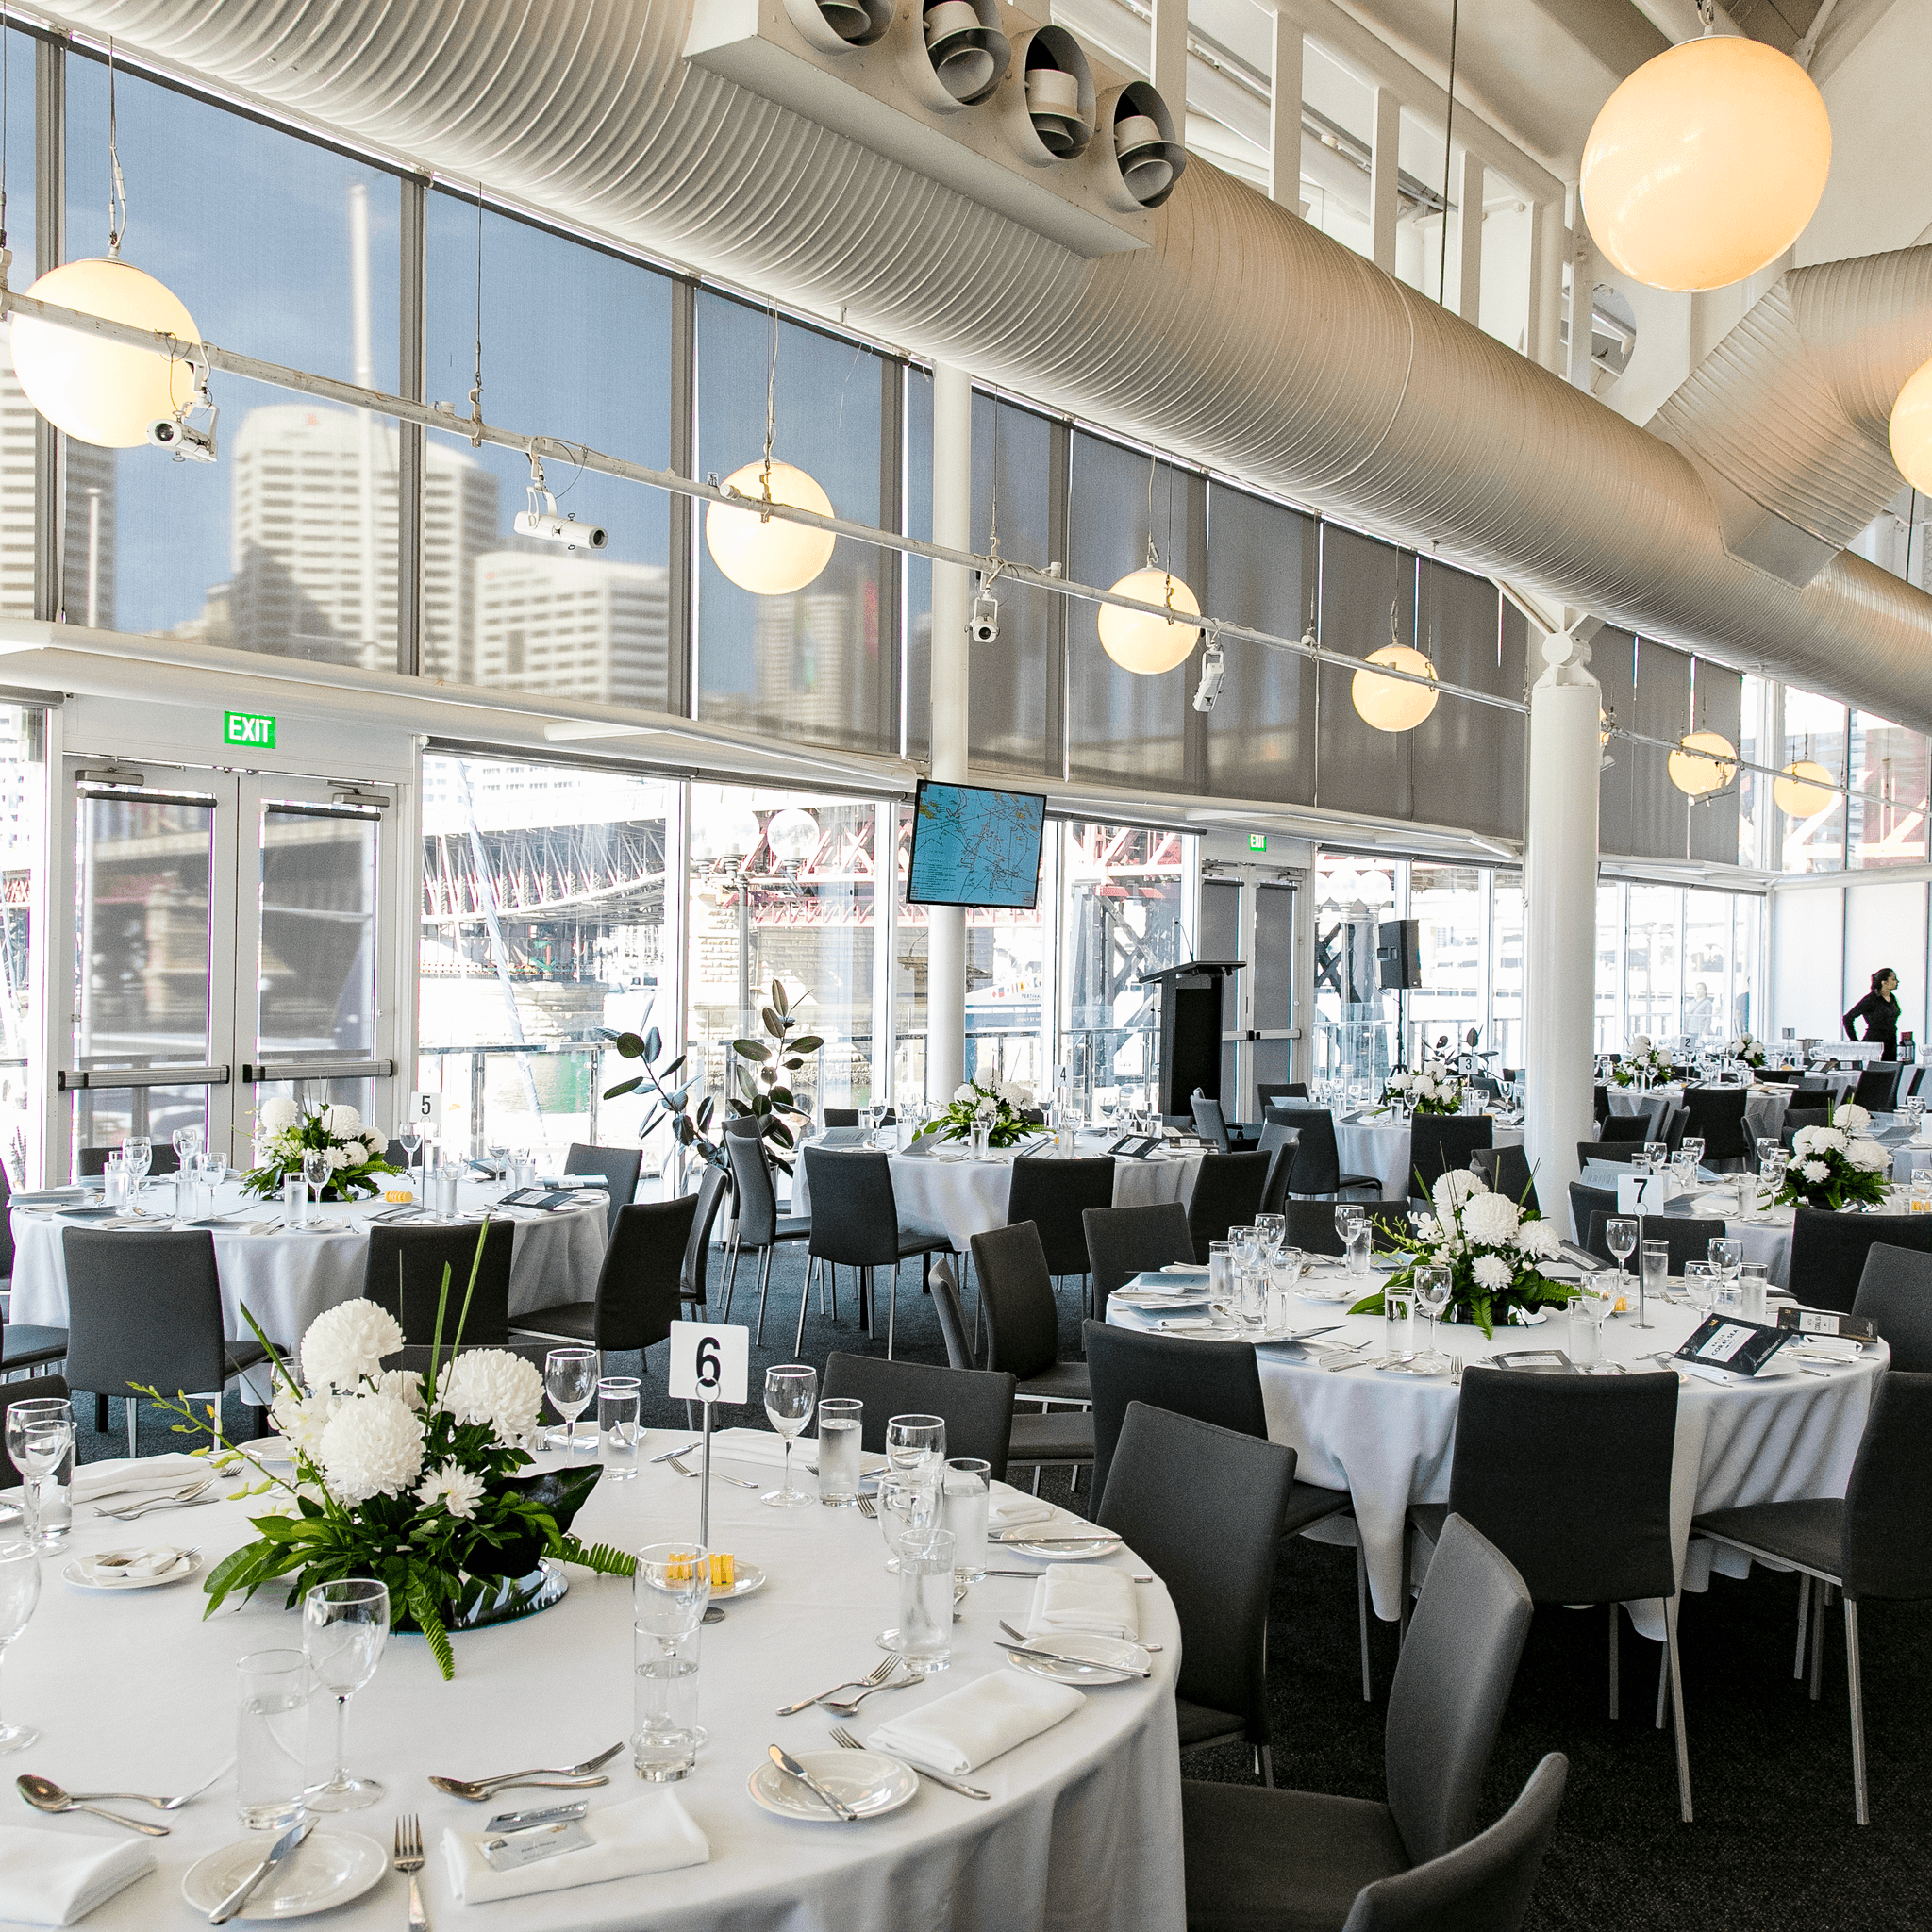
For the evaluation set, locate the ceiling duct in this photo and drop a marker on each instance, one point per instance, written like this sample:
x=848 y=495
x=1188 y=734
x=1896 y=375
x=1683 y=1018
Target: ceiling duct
x=1241 y=336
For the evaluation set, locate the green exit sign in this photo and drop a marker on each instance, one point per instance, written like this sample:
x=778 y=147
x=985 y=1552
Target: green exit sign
x=252 y=728
x=1257 y=842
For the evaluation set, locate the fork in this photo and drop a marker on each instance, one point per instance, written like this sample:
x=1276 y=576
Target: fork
x=846 y=1705
x=167 y=1499
x=718 y=1474
x=868 y=1509
x=409 y=1860
x=879 y=1674
x=846 y=1741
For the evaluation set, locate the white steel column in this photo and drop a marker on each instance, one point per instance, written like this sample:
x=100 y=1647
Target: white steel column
x=1559 y=916
x=1384 y=162
x=1468 y=238
x=952 y=589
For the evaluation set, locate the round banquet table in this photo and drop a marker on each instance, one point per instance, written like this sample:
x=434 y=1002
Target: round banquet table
x=288 y=1276
x=133 y=1691
x=1380 y=1147
x=1764 y=1107
x=960 y=1197
x=1388 y=1438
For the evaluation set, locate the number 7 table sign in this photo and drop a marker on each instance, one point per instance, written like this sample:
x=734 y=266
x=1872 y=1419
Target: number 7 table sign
x=710 y=1364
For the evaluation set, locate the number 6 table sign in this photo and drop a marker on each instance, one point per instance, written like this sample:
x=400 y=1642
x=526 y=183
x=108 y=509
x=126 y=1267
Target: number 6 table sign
x=710 y=1364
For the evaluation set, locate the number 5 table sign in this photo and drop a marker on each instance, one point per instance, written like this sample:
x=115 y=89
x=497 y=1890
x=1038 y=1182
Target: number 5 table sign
x=710 y=1364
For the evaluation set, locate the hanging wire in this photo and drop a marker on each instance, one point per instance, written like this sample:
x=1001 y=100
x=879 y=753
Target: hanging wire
x=1449 y=121
x=771 y=412
x=117 y=186
x=5 y=48
x=477 y=386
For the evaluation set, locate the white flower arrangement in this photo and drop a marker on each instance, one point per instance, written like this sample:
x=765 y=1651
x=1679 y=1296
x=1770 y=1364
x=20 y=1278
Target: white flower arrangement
x=1432 y=1088
x=285 y=1134
x=1838 y=1165
x=1645 y=1065
x=1746 y=1049
x=997 y=1104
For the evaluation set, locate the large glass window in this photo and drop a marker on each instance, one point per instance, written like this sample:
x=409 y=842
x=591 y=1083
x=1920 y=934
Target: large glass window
x=1815 y=730
x=1506 y=969
x=1611 y=1032
x=1651 y=980
x=22 y=850
x=1450 y=905
x=576 y=342
x=17 y=419
x=1886 y=807
x=1358 y=1037
x=1708 y=939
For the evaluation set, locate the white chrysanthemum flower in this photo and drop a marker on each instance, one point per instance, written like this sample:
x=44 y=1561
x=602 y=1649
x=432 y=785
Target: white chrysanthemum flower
x=1539 y=1239
x=279 y=1115
x=300 y=1419
x=1853 y=1120
x=1805 y=1140
x=339 y=1158
x=490 y=1385
x=1491 y=1270
x=1829 y=1141
x=1491 y=1218
x=1868 y=1155
x=1641 y=1044
x=1815 y=1171
x=1454 y=1189
x=455 y=1488
x=376 y=1145
x=372 y=1446
x=341 y=1120
x=964 y=1094
x=348 y=1342
x=407 y=1387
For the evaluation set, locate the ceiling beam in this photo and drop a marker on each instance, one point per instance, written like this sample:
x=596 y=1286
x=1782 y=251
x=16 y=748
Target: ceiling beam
x=1611 y=32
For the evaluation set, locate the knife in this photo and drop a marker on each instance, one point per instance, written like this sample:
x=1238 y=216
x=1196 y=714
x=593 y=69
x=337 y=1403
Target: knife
x=791 y=1767
x=1018 y=1535
x=1055 y=1657
x=283 y=1848
x=551 y=1814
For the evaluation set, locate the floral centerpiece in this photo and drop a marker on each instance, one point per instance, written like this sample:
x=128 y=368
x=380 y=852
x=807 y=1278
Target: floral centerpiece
x=1748 y=1050
x=285 y=1133
x=996 y=1105
x=1493 y=1248
x=1644 y=1065
x=1432 y=1088
x=1836 y=1165
x=412 y=1479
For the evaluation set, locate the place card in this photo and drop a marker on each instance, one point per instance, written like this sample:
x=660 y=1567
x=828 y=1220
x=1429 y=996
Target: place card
x=1828 y=1322
x=1537 y=1361
x=1724 y=1342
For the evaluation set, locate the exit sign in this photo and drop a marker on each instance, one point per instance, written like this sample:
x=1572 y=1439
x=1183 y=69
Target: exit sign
x=251 y=728
x=1257 y=842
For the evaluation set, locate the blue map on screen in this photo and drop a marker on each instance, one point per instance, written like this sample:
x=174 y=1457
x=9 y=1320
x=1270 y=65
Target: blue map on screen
x=974 y=847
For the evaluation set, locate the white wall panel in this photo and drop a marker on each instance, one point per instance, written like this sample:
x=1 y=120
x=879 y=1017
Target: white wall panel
x=1808 y=961
x=1885 y=925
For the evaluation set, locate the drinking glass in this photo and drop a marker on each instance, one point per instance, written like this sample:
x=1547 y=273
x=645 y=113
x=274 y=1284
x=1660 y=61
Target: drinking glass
x=910 y=1506
x=345 y=1626
x=271 y=1738
x=671 y=1589
x=1220 y=1270
x=1432 y=1283
x=317 y=1170
x=980 y=1130
x=1620 y=1237
x=966 y=1499
x=792 y=1393
x=1355 y=1251
x=115 y=1183
x=1693 y=1144
x=1659 y=1153
x=570 y=1379
x=1768 y=1146
x=137 y=1155
x=1754 y=1292
x=1251 y=1297
x=1700 y=1286
x=294 y=1200
x=1398 y=1323
x=38 y=1408
x=19 y=1590
x=1727 y=1259
x=1285 y=1273
x=1922 y=1191
x=46 y=1452
x=1346 y=1215
x=840 y=1440
x=925 y=1637
x=1652 y=1275
x=618 y=1399
x=1273 y=1228
x=187 y=1144
x=916 y=1445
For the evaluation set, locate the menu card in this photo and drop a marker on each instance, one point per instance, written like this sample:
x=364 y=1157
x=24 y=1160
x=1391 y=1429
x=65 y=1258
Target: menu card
x=1724 y=1342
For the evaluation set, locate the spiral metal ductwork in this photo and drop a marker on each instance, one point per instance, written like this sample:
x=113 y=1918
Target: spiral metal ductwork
x=1242 y=338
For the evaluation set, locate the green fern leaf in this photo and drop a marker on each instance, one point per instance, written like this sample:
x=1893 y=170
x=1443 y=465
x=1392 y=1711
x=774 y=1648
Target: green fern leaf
x=601 y=1558
x=422 y=1608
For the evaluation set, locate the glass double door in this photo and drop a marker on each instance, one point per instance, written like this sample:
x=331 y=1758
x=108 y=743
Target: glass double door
x=230 y=946
x=1252 y=919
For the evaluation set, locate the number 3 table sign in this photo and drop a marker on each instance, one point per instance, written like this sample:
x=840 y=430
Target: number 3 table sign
x=710 y=1364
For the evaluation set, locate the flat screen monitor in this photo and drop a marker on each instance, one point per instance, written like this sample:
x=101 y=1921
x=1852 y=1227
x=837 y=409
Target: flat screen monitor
x=975 y=847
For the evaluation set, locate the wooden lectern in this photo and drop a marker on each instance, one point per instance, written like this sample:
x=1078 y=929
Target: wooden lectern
x=1188 y=1050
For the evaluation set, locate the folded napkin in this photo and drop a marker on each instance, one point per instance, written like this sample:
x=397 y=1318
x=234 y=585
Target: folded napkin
x=1084 y=1598
x=977 y=1722
x=156 y=1560
x=120 y=1476
x=58 y=1877
x=650 y=1834
x=767 y=1446
x=1008 y=1508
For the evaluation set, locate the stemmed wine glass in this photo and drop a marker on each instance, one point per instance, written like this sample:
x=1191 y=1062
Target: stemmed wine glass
x=1432 y=1284
x=46 y=1440
x=187 y=1145
x=345 y=1626
x=409 y=1137
x=1727 y=1263
x=1620 y=1237
x=19 y=1590
x=1346 y=1215
x=35 y=1408
x=792 y=1393
x=316 y=1170
x=136 y=1156
x=1692 y=1145
x=570 y=1377
x=1700 y=1286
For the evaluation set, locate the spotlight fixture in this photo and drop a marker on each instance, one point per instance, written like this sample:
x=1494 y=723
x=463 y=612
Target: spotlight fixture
x=1144 y=644
x=1704 y=763
x=1911 y=430
x=1803 y=790
x=1212 y=671
x=542 y=521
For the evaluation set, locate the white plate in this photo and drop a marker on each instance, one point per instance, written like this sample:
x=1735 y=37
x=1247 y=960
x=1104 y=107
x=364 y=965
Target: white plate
x=1046 y=1551
x=329 y=1868
x=80 y=1573
x=869 y=1782
x=1104 y=1660
x=746 y=1578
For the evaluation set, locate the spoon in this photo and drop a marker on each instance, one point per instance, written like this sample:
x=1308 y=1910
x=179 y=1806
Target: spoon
x=475 y=1790
x=44 y=1794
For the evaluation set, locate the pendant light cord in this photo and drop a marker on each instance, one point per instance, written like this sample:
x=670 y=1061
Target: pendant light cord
x=1448 y=124
x=5 y=48
x=476 y=385
x=117 y=186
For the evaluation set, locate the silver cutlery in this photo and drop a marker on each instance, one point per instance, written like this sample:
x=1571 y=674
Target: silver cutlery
x=548 y=1777
x=140 y=1797
x=408 y=1861
x=1055 y=1657
x=129 y=1507
x=1021 y=1535
x=283 y=1848
x=846 y=1741
x=547 y=1814
x=868 y=1509
x=846 y=1705
x=878 y=1675
x=1021 y=1638
x=1031 y=1576
x=1380 y=1361
x=669 y=1453
x=44 y=1794
x=717 y=1475
x=791 y=1767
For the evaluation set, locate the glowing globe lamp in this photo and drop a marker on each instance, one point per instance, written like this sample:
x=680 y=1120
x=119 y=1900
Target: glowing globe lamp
x=1804 y=791
x=1138 y=643
x=1388 y=702
x=96 y=390
x=765 y=553
x=1706 y=761
x=1911 y=430
x=1706 y=163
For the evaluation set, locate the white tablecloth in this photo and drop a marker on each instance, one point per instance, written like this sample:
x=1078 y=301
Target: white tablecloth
x=1381 y=1148
x=1388 y=1439
x=1764 y=1107
x=960 y=1198
x=290 y=1276
x=135 y=1692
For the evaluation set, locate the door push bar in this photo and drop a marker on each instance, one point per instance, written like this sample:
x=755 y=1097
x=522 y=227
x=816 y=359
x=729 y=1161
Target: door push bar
x=261 y=1073
x=101 y=1080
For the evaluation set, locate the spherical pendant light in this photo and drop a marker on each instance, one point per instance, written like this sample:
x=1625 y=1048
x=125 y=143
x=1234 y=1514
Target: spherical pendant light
x=1138 y=643
x=96 y=390
x=1911 y=430
x=1804 y=791
x=1693 y=773
x=1388 y=702
x=1706 y=163
x=766 y=553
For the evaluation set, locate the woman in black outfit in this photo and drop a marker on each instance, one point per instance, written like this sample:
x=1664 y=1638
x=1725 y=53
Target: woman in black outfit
x=1879 y=1011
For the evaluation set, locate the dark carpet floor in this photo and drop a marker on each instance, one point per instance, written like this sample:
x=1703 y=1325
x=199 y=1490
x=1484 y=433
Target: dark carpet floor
x=1775 y=1844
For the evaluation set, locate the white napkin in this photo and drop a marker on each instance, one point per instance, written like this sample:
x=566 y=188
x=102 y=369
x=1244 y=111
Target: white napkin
x=1008 y=1508
x=157 y=1560
x=767 y=1447
x=978 y=1721
x=58 y=1877
x=1086 y=1598
x=119 y=1476
x=654 y=1833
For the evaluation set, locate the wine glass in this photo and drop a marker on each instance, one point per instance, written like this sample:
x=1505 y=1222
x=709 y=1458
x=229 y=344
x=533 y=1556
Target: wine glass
x=910 y=1509
x=792 y=1393
x=671 y=1590
x=1659 y=1153
x=916 y=1445
x=136 y=1157
x=1727 y=1263
x=1432 y=1283
x=345 y=1626
x=19 y=1590
x=1273 y=1228
x=409 y=1138
x=1700 y=1286
x=317 y=1170
x=1693 y=1144
x=1620 y=1237
x=1346 y=1215
x=186 y=1143
x=570 y=1377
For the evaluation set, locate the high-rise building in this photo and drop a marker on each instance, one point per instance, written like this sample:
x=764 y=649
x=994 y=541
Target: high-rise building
x=572 y=626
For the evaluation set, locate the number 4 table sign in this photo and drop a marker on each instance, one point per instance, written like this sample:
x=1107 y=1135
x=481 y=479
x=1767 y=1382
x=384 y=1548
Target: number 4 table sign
x=710 y=1364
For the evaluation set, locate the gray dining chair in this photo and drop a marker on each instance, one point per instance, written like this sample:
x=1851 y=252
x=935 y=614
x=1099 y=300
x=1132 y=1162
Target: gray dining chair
x=1895 y=1292
x=619 y=1167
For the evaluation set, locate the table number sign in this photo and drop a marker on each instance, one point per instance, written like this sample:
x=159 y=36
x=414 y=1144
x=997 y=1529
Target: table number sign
x=710 y=1364
x=1722 y=1341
